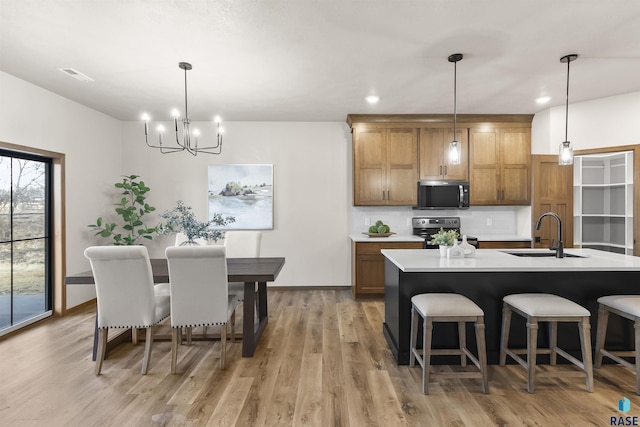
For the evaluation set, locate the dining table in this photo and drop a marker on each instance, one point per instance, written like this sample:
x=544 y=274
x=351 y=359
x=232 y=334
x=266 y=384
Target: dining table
x=254 y=272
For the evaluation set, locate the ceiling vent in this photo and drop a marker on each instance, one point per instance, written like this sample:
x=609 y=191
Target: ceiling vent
x=76 y=74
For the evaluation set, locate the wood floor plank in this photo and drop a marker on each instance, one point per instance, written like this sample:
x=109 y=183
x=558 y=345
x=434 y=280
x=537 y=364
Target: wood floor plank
x=322 y=361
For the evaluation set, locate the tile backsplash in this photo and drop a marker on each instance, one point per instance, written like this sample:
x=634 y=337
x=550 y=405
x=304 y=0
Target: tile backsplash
x=476 y=221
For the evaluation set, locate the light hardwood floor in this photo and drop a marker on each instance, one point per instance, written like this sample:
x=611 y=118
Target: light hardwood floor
x=322 y=362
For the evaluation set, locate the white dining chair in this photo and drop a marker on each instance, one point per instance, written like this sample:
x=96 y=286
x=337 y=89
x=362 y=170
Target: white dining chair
x=199 y=293
x=127 y=297
x=242 y=244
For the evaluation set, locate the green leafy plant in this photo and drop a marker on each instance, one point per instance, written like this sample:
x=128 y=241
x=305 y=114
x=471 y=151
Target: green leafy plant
x=131 y=209
x=446 y=238
x=182 y=218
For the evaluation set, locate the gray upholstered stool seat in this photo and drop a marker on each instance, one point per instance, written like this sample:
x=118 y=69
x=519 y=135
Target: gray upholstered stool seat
x=447 y=308
x=627 y=306
x=553 y=309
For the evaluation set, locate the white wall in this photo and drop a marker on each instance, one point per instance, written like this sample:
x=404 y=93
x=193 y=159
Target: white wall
x=91 y=141
x=604 y=122
x=311 y=191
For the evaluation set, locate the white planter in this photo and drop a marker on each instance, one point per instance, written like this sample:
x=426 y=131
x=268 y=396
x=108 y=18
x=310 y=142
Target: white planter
x=443 y=250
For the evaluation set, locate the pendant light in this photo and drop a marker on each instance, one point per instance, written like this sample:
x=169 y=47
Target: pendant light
x=454 y=152
x=565 y=155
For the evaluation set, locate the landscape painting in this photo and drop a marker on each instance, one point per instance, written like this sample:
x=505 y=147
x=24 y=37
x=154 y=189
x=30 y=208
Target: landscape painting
x=244 y=192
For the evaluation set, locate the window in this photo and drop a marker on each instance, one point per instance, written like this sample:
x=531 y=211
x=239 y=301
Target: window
x=25 y=243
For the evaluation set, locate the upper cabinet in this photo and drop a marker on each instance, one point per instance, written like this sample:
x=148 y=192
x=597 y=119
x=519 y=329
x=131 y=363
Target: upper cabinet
x=499 y=164
x=385 y=166
x=392 y=152
x=434 y=145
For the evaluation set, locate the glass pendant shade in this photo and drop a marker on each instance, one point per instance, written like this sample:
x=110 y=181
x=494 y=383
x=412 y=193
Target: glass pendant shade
x=454 y=153
x=565 y=154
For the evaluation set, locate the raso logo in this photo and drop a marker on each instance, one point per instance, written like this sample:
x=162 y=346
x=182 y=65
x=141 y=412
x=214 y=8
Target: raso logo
x=624 y=405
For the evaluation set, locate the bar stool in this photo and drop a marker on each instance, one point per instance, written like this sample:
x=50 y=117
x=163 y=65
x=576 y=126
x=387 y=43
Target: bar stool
x=553 y=309
x=627 y=306
x=447 y=308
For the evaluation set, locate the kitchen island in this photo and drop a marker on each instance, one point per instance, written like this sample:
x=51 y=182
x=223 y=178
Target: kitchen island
x=493 y=274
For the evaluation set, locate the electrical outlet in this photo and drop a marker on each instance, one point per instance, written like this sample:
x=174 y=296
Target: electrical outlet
x=489 y=222
x=367 y=221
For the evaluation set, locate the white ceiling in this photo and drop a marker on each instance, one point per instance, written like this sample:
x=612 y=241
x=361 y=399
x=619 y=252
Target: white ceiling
x=316 y=60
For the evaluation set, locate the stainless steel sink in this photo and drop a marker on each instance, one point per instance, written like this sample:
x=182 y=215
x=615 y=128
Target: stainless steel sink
x=549 y=254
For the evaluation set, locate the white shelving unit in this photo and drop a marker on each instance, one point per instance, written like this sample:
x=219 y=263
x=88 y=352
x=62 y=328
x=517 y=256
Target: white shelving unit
x=603 y=201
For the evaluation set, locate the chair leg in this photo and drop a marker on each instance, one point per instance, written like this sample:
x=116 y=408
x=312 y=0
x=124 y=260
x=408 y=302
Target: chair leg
x=482 y=353
x=148 y=343
x=636 y=327
x=553 y=342
x=504 y=340
x=134 y=336
x=532 y=351
x=426 y=353
x=223 y=345
x=413 y=337
x=233 y=325
x=102 y=348
x=462 y=342
x=601 y=334
x=585 y=342
x=176 y=336
x=204 y=331
x=189 y=334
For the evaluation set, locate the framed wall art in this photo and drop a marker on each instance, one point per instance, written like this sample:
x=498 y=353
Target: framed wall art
x=244 y=192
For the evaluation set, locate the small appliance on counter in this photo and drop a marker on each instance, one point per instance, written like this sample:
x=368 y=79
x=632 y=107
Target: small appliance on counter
x=426 y=227
x=443 y=195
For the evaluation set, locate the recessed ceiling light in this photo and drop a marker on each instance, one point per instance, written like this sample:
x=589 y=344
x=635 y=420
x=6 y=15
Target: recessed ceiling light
x=543 y=99
x=372 y=99
x=76 y=74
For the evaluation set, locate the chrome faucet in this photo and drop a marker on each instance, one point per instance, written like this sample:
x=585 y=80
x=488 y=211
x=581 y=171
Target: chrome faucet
x=559 y=248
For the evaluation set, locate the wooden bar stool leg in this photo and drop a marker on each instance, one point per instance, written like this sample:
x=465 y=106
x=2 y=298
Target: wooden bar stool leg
x=504 y=339
x=462 y=342
x=636 y=327
x=413 y=337
x=532 y=351
x=553 y=342
x=585 y=343
x=426 y=353
x=601 y=334
x=482 y=353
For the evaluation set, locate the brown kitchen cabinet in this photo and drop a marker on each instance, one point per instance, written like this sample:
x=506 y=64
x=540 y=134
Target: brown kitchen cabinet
x=433 y=151
x=385 y=166
x=504 y=244
x=367 y=269
x=499 y=165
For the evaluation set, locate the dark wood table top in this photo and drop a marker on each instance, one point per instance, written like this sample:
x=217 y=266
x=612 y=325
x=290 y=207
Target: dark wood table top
x=238 y=270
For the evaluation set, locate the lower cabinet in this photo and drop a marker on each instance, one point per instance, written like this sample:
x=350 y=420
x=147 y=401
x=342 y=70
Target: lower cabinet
x=504 y=244
x=367 y=266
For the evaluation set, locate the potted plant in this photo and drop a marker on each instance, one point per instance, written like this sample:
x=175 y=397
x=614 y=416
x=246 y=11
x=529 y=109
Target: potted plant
x=182 y=219
x=444 y=239
x=131 y=208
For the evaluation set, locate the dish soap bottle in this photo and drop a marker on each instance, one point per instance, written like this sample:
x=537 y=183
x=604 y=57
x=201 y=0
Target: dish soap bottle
x=468 y=250
x=455 y=251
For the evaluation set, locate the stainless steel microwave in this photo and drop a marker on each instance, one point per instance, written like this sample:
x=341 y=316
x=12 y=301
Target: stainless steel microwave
x=443 y=195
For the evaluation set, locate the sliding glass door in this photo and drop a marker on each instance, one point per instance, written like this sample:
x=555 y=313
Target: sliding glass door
x=25 y=243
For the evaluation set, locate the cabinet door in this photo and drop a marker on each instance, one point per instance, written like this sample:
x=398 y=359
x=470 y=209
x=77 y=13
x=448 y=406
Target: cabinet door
x=370 y=273
x=431 y=142
x=369 y=167
x=456 y=172
x=484 y=166
x=402 y=176
x=515 y=159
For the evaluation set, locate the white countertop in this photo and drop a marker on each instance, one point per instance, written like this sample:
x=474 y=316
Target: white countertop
x=392 y=238
x=429 y=260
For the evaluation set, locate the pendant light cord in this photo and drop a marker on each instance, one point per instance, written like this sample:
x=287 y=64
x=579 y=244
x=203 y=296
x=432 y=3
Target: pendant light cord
x=455 y=97
x=566 y=115
x=186 y=111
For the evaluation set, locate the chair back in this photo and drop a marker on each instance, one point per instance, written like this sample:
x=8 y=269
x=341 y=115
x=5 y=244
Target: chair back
x=243 y=243
x=199 y=290
x=124 y=286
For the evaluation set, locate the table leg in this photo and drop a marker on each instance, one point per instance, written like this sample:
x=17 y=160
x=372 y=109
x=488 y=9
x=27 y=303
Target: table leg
x=252 y=299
